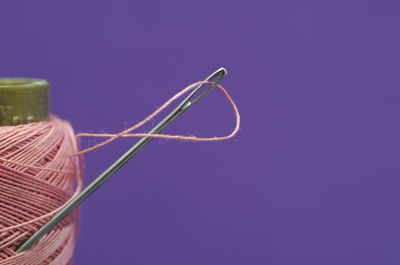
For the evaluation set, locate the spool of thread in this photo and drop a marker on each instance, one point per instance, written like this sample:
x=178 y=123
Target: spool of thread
x=37 y=176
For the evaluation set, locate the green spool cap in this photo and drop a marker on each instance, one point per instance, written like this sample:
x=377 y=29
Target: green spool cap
x=23 y=100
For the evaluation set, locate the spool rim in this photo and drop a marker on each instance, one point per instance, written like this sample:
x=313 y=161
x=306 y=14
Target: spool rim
x=23 y=100
x=21 y=82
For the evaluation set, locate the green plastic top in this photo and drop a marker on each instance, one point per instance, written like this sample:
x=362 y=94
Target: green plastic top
x=23 y=101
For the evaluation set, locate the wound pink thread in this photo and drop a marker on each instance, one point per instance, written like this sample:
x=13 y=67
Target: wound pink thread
x=41 y=171
x=37 y=178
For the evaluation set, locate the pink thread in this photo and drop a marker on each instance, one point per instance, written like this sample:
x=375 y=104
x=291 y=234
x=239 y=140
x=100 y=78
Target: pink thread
x=36 y=180
x=41 y=171
x=126 y=133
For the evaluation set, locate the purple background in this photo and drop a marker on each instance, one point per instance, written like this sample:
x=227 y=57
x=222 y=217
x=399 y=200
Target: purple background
x=312 y=177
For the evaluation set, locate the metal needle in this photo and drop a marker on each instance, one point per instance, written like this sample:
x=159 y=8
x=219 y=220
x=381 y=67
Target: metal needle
x=92 y=187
